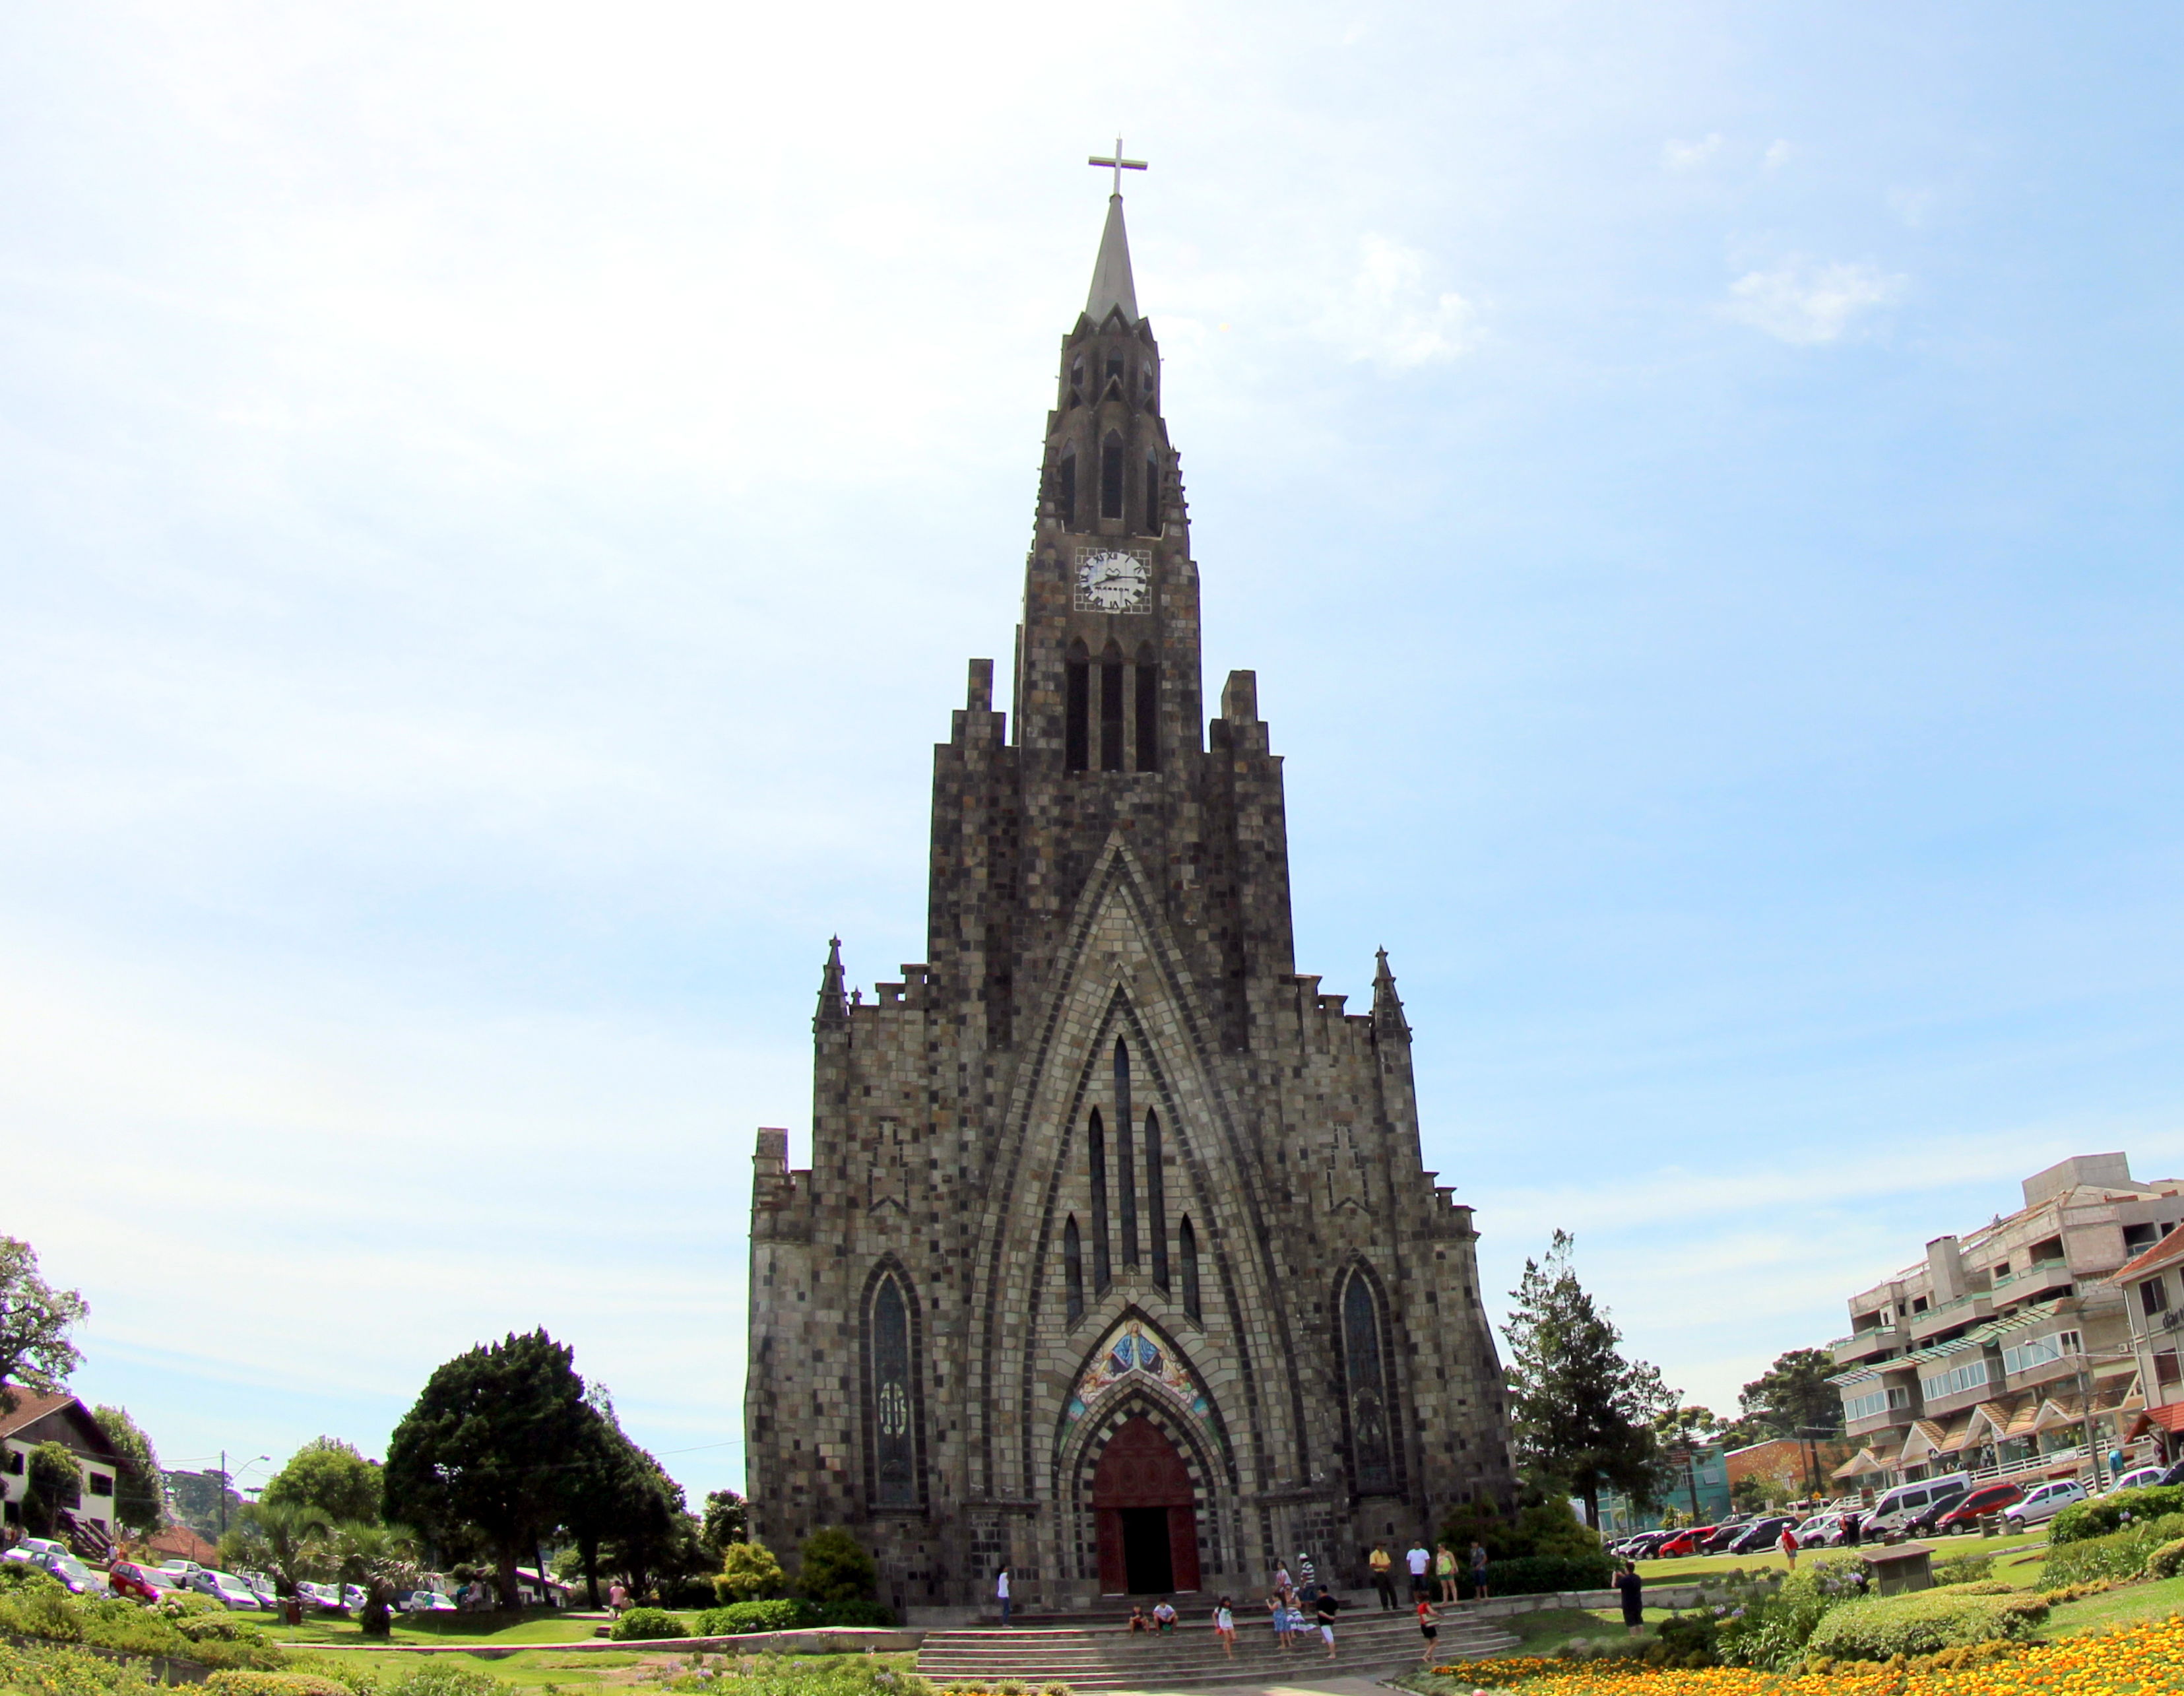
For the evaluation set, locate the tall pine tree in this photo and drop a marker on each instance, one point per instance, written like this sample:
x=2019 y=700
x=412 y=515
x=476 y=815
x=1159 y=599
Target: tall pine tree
x=1583 y=1416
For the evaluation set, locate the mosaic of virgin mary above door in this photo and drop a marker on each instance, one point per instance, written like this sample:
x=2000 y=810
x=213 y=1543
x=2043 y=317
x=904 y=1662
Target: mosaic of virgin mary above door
x=1134 y=1354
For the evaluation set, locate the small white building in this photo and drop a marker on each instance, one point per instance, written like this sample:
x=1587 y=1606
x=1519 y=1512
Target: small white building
x=88 y=1521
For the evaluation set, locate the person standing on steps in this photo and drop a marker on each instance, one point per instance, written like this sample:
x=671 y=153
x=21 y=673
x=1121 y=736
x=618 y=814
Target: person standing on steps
x=1419 y=1561
x=1444 y=1571
x=1479 y=1570
x=1632 y=1588
x=1224 y=1627
x=1324 y=1611
x=1001 y=1593
x=1382 y=1564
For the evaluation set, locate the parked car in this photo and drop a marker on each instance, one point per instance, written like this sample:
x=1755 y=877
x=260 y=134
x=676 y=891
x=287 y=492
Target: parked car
x=1762 y=1535
x=225 y=1588
x=70 y=1572
x=1822 y=1531
x=427 y=1602
x=1686 y=1542
x=144 y=1583
x=1965 y=1514
x=30 y=1548
x=2043 y=1502
x=181 y=1568
x=324 y=1597
x=262 y=1587
x=353 y=1596
x=2140 y=1479
x=1894 y=1511
x=1727 y=1532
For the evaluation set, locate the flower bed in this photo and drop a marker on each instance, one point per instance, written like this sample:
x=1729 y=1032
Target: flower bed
x=2139 y=1661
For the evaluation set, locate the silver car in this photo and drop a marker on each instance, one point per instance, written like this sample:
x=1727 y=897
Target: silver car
x=2043 y=1502
x=225 y=1588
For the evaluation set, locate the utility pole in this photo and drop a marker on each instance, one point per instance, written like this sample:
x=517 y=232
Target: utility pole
x=223 y=1492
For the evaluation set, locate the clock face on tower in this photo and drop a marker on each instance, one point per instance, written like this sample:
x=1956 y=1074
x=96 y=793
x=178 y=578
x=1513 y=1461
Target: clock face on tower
x=1111 y=580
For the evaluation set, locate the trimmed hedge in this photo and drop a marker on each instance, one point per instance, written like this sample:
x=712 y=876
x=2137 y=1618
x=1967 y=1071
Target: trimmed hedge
x=2119 y=1554
x=240 y=1683
x=2082 y=1520
x=641 y=1625
x=790 y=1614
x=1537 y=1575
x=2166 y=1561
x=1923 y=1622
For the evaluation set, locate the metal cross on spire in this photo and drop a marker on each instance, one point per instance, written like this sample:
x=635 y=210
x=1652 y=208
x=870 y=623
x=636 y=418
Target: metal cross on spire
x=1118 y=164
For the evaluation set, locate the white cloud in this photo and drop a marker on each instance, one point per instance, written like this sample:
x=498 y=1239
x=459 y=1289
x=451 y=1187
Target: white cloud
x=1689 y=155
x=1387 y=314
x=1778 y=155
x=1806 y=304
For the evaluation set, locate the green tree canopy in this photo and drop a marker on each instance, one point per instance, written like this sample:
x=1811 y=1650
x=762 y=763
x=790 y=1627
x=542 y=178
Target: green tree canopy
x=748 y=1572
x=35 y=1322
x=727 y=1521
x=52 y=1481
x=1583 y=1416
x=1682 y=1431
x=492 y=1444
x=330 y=1476
x=1793 y=1396
x=140 y=1496
x=291 y=1540
x=379 y=1560
x=834 y=1566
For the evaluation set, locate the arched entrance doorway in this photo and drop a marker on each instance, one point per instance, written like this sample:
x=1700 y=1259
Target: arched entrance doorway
x=1148 y=1525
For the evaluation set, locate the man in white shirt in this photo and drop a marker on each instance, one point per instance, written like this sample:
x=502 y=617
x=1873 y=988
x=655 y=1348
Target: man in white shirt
x=1001 y=1591
x=1419 y=1561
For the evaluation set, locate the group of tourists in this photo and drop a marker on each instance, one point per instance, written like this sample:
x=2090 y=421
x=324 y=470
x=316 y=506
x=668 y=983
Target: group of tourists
x=1430 y=1569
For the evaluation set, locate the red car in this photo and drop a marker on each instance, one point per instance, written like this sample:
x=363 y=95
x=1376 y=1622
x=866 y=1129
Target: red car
x=144 y=1583
x=1988 y=1498
x=1691 y=1542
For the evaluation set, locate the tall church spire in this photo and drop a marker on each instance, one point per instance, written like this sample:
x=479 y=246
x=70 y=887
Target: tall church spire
x=1112 y=284
x=833 y=1004
x=1387 y=1005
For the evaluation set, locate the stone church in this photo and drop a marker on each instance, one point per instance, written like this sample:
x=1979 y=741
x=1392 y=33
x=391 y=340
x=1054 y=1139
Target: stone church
x=1114 y=1263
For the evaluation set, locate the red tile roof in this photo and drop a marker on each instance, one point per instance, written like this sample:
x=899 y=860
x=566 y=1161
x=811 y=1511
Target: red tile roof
x=2169 y=1248
x=30 y=1408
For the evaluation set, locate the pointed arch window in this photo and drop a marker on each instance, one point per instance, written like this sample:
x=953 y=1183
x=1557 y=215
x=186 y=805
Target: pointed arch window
x=1110 y=476
x=1095 y=1140
x=1155 y=1199
x=1111 y=709
x=891 y=1417
x=1365 y=1385
x=1152 y=523
x=1073 y=1269
x=1148 y=727
x=1125 y=1167
x=1186 y=1244
x=1076 y=710
x=1065 y=493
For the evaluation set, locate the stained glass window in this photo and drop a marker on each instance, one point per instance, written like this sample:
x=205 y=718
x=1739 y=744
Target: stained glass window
x=894 y=1447
x=1126 y=1174
x=1073 y=1269
x=1370 y=1460
x=1156 y=1198
x=1095 y=1137
x=1186 y=1242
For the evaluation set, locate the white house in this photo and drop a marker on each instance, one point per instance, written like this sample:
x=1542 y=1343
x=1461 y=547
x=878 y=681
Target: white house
x=89 y=1520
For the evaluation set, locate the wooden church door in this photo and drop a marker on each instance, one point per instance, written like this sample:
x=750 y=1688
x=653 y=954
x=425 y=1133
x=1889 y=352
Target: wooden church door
x=1147 y=1522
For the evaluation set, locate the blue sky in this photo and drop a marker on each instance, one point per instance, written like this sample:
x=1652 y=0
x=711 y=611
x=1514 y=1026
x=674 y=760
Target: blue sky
x=495 y=501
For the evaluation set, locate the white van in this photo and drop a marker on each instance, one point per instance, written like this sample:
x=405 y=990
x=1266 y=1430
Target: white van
x=1904 y=1503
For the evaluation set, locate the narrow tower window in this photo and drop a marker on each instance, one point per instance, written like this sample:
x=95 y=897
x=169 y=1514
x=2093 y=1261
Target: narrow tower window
x=1148 y=682
x=1065 y=492
x=1156 y=1198
x=1152 y=496
x=1076 y=716
x=1111 y=477
x=1186 y=1245
x=894 y=1443
x=1077 y=379
x=1125 y=1167
x=1073 y=1269
x=1366 y=1384
x=1111 y=710
x=1096 y=1139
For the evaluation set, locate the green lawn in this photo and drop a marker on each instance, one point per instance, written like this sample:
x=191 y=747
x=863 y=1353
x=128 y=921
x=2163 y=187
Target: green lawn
x=493 y=1630
x=1547 y=1630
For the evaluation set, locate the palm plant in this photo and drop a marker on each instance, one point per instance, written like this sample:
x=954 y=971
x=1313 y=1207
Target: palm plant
x=284 y=1539
x=379 y=1560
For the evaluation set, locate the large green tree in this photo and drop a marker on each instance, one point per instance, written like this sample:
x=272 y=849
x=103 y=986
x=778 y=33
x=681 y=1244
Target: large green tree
x=1793 y=1396
x=726 y=1521
x=1582 y=1414
x=608 y=1488
x=490 y=1446
x=330 y=1476
x=53 y=1482
x=379 y=1560
x=1681 y=1433
x=35 y=1320
x=140 y=1496
x=291 y=1540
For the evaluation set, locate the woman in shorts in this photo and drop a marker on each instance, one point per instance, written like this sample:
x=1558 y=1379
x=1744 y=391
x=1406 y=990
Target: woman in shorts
x=1426 y=1629
x=1224 y=1627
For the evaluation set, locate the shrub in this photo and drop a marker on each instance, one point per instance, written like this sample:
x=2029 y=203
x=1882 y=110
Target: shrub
x=273 y=1684
x=834 y=1566
x=855 y=1611
x=783 y=1614
x=749 y=1571
x=1771 y=1630
x=2104 y=1513
x=55 y=1671
x=2166 y=1561
x=1923 y=1622
x=1963 y=1568
x=41 y=1611
x=1536 y=1575
x=441 y=1675
x=2119 y=1554
x=641 y=1625
x=1686 y=1640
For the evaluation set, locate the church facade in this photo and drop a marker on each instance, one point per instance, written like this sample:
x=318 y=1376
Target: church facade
x=1114 y=1263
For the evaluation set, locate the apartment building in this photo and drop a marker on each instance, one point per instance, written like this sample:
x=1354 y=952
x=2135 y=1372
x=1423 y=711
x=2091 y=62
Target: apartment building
x=2151 y=1284
x=2008 y=1348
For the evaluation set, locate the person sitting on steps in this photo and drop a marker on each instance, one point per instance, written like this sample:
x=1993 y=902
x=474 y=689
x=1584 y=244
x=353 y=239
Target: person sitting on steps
x=1164 y=1615
x=1138 y=1621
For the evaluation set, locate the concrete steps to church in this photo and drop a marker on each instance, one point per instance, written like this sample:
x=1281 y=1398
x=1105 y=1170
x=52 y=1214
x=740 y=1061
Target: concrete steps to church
x=1108 y=1656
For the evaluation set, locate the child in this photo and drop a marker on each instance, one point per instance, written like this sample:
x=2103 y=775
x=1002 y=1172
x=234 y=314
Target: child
x=1138 y=1621
x=1426 y=1629
x=1278 y=1610
x=1224 y=1627
x=1324 y=1611
x=1164 y=1617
